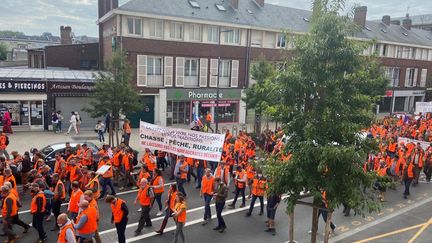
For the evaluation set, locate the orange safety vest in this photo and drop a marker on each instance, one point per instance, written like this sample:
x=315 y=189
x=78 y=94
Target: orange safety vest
x=144 y=199
x=14 y=210
x=181 y=217
x=240 y=175
x=410 y=172
x=96 y=194
x=209 y=117
x=86 y=161
x=12 y=180
x=63 y=193
x=93 y=204
x=156 y=183
x=382 y=171
x=218 y=173
x=259 y=187
x=62 y=234
x=3 y=142
x=172 y=200
x=142 y=175
x=109 y=173
x=207 y=185
x=74 y=201
x=183 y=174
x=91 y=225
x=116 y=158
x=148 y=159
x=74 y=176
x=33 y=207
x=117 y=211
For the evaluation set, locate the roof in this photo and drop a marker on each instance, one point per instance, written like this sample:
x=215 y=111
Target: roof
x=418 y=19
x=270 y=16
x=43 y=38
x=46 y=74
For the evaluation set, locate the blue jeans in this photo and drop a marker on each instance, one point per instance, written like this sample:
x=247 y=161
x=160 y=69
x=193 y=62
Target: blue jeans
x=107 y=182
x=207 y=210
x=324 y=216
x=101 y=136
x=261 y=198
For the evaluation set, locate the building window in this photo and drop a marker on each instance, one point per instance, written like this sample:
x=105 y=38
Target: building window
x=191 y=73
x=393 y=73
x=22 y=46
x=195 y=32
x=225 y=73
x=232 y=37
x=384 y=50
x=411 y=77
x=212 y=34
x=423 y=78
x=413 y=53
x=176 y=31
x=154 y=71
x=134 y=26
x=281 y=41
x=156 y=28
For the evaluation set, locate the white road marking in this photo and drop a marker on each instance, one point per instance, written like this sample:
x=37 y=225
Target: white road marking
x=193 y=222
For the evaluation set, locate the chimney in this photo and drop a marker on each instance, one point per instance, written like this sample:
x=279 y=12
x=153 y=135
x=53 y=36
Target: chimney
x=65 y=35
x=396 y=22
x=407 y=22
x=260 y=2
x=360 y=16
x=234 y=4
x=386 y=19
x=104 y=6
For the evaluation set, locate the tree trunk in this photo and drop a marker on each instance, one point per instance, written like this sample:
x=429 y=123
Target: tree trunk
x=291 y=228
x=327 y=227
x=258 y=118
x=117 y=128
x=314 y=224
x=110 y=128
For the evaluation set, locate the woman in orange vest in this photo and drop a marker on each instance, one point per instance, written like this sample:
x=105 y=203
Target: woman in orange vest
x=158 y=189
x=119 y=216
x=67 y=231
x=408 y=176
x=169 y=207
x=179 y=214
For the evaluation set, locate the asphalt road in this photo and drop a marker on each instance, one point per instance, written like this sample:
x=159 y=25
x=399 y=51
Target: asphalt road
x=243 y=229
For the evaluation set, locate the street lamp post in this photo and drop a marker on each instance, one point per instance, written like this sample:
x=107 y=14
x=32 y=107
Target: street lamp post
x=218 y=78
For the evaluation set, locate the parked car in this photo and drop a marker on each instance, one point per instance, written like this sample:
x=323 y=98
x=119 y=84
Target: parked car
x=49 y=151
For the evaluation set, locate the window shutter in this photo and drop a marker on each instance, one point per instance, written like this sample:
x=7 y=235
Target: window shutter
x=168 y=71
x=407 y=72
x=213 y=72
x=203 y=72
x=180 y=62
x=234 y=73
x=423 y=78
x=141 y=70
x=415 y=77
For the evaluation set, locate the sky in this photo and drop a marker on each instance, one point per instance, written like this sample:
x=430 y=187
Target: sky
x=33 y=17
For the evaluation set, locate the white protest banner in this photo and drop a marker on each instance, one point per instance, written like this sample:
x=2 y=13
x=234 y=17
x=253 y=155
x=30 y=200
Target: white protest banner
x=423 y=107
x=192 y=144
x=103 y=169
x=423 y=144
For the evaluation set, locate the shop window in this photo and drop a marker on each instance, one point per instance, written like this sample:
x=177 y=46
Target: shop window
x=191 y=73
x=178 y=112
x=384 y=104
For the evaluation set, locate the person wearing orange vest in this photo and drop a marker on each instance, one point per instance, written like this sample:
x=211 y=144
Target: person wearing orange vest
x=9 y=211
x=89 y=197
x=60 y=166
x=180 y=172
x=127 y=162
x=37 y=208
x=158 y=189
x=179 y=215
x=16 y=219
x=59 y=196
x=106 y=177
x=127 y=131
x=240 y=184
x=87 y=156
x=4 y=142
x=223 y=172
x=209 y=119
x=75 y=198
x=94 y=185
x=67 y=231
x=207 y=189
x=119 y=216
x=259 y=187
x=417 y=159
x=8 y=176
x=86 y=223
x=149 y=160
x=408 y=176
x=169 y=204
x=144 y=197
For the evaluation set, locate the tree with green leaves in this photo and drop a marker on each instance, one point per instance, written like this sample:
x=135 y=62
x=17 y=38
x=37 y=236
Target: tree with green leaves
x=3 y=52
x=114 y=93
x=261 y=96
x=328 y=92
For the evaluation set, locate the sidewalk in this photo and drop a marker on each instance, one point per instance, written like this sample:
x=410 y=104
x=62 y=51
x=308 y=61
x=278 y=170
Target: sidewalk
x=22 y=141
